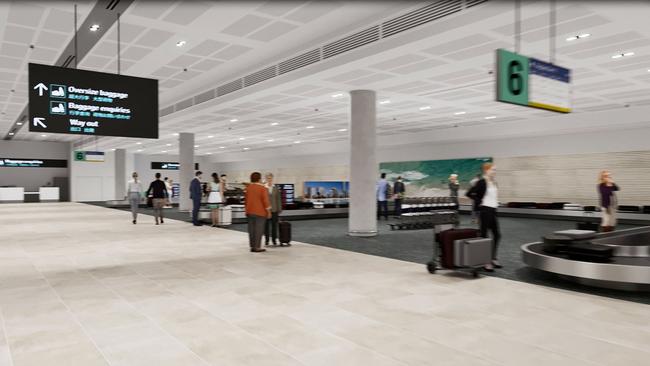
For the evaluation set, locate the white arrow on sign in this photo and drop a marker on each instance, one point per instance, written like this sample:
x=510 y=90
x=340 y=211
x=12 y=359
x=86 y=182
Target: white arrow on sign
x=41 y=87
x=39 y=121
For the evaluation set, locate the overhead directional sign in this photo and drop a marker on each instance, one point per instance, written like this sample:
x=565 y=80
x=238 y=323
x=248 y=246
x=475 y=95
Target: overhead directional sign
x=32 y=163
x=84 y=102
x=531 y=82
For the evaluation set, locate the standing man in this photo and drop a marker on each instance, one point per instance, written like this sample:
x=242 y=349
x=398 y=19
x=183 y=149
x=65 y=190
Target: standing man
x=195 y=194
x=275 y=197
x=158 y=191
x=399 y=189
x=382 y=197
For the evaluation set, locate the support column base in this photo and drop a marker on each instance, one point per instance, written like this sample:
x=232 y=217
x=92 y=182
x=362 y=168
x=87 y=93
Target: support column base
x=363 y=233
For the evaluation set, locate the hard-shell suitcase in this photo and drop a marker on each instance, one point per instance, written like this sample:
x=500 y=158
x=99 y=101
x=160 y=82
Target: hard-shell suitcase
x=447 y=239
x=593 y=226
x=285 y=232
x=554 y=243
x=472 y=252
x=577 y=234
x=225 y=216
x=589 y=252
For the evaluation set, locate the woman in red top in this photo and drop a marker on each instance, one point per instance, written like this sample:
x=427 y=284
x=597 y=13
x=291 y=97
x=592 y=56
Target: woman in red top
x=258 y=210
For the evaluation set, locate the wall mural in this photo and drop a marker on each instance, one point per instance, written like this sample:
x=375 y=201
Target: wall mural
x=430 y=178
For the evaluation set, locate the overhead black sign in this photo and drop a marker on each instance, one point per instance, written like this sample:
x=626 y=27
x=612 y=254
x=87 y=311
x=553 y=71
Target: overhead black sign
x=158 y=165
x=32 y=163
x=85 y=102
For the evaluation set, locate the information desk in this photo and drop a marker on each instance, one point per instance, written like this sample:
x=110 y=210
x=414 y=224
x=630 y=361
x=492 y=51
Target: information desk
x=18 y=194
x=12 y=194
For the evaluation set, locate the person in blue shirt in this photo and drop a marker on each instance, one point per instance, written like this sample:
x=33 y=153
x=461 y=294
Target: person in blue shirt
x=382 y=197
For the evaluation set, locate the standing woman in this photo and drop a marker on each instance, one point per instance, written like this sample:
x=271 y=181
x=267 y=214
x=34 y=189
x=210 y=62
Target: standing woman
x=608 y=202
x=258 y=210
x=271 y=229
x=134 y=191
x=215 y=198
x=453 y=188
x=486 y=194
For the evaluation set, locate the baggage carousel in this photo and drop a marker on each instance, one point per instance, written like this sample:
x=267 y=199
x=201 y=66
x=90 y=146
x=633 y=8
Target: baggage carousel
x=627 y=269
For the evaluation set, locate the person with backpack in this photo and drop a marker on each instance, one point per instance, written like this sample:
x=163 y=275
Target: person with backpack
x=383 y=192
x=485 y=194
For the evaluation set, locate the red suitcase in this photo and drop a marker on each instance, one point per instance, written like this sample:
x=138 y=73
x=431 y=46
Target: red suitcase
x=447 y=239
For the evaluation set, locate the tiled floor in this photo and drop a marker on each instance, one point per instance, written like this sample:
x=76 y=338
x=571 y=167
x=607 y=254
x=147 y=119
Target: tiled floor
x=81 y=285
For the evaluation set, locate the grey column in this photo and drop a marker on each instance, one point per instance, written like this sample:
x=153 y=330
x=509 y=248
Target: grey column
x=363 y=163
x=120 y=174
x=186 y=171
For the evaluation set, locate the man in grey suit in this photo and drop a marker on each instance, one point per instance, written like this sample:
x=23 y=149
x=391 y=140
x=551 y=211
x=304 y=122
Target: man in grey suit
x=196 y=194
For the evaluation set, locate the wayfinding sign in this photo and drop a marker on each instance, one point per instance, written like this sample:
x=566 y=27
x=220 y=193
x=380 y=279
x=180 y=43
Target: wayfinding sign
x=531 y=82
x=92 y=103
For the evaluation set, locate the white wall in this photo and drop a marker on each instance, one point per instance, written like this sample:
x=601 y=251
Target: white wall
x=92 y=181
x=583 y=147
x=32 y=178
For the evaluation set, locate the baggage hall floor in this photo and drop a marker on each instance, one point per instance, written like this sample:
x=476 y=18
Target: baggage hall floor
x=81 y=285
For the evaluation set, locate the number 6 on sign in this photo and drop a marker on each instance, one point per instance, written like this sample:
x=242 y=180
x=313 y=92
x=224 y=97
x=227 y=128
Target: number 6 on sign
x=512 y=77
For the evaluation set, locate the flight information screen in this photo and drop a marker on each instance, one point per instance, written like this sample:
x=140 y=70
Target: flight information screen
x=82 y=102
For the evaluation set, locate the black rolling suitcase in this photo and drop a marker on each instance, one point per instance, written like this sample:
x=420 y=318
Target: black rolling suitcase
x=588 y=252
x=285 y=233
x=593 y=226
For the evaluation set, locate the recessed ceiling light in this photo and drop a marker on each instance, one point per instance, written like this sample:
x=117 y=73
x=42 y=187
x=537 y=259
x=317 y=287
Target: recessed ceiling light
x=94 y=27
x=208 y=153
x=270 y=140
x=247 y=148
x=275 y=123
x=113 y=149
x=296 y=142
x=234 y=120
x=624 y=54
x=459 y=113
x=342 y=129
x=11 y=133
x=490 y=117
x=20 y=123
x=210 y=136
x=175 y=133
x=196 y=145
x=425 y=108
x=310 y=127
x=140 y=150
x=337 y=95
x=242 y=138
x=138 y=143
x=579 y=36
x=164 y=151
x=43 y=135
x=181 y=43
x=384 y=102
x=169 y=144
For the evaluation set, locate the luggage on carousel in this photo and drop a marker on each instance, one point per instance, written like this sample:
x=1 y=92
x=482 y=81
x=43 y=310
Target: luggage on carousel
x=285 y=232
x=593 y=226
x=589 y=208
x=225 y=216
x=589 y=252
x=555 y=243
x=447 y=239
x=577 y=234
x=472 y=252
x=629 y=208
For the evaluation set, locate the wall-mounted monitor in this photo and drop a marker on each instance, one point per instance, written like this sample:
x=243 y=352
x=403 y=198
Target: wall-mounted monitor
x=32 y=163
x=161 y=165
x=83 y=102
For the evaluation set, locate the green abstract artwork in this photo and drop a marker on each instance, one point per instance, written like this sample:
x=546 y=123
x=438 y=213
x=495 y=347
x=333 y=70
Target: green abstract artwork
x=430 y=178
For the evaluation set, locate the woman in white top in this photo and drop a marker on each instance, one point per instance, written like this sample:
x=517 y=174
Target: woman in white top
x=134 y=191
x=215 y=198
x=486 y=193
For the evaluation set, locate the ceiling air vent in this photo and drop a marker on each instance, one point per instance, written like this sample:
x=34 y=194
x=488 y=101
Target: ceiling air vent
x=256 y=77
x=67 y=61
x=351 y=42
x=420 y=16
x=470 y=3
x=112 y=4
x=230 y=87
x=297 y=62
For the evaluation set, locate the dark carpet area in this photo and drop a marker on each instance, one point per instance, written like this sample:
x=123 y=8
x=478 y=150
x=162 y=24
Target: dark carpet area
x=416 y=246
